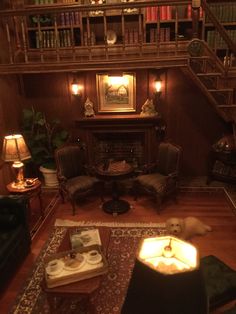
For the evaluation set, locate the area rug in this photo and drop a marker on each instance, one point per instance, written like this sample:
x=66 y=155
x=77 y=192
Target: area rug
x=108 y=299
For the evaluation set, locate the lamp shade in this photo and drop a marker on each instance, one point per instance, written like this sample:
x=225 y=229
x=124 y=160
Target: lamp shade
x=166 y=279
x=15 y=148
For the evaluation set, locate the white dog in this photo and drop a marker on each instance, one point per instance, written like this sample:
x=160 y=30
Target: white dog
x=186 y=228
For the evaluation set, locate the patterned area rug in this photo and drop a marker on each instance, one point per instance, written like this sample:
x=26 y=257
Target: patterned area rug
x=108 y=299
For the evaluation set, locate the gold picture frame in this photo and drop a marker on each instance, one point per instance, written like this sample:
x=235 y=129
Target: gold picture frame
x=116 y=93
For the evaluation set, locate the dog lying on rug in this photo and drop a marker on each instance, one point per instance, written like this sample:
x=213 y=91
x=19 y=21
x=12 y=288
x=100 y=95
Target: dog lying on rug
x=186 y=228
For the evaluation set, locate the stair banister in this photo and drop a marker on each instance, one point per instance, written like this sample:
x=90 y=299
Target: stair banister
x=219 y=27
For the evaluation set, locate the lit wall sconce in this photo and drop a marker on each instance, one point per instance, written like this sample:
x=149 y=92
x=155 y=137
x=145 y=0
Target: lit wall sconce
x=16 y=150
x=76 y=88
x=166 y=278
x=157 y=87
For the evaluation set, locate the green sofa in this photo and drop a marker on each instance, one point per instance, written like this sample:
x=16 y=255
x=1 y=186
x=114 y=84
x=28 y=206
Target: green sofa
x=15 y=237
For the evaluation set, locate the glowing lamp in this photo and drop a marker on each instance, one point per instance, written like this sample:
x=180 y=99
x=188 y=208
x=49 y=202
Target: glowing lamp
x=76 y=88
x=16 y=150
x=158 y=87
x=166 y=279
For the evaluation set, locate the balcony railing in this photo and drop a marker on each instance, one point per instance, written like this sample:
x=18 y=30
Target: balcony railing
x=138 y=34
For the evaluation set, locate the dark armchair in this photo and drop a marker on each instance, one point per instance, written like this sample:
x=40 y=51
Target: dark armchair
x=161 y=178
x=15 y=238
x=74 y=179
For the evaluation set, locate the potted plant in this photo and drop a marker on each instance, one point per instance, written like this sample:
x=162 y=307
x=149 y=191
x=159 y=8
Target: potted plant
x=42 y=138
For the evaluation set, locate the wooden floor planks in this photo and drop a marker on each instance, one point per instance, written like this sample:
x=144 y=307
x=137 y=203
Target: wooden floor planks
x=211 y=207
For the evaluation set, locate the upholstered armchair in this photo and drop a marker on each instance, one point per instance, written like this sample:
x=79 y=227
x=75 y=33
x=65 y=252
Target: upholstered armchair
x=161 y=178
x=75 y=181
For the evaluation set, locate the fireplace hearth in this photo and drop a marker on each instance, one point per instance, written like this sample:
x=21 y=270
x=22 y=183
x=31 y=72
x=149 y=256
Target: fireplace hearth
x=128 y=137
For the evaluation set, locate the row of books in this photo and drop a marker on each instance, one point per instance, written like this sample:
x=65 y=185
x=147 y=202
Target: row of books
x=48 y=39
x=225 y=12
x=165 y=13
x=39 y=2
x=164 y=34
x=69 y=18
x=214 y=39
x=131 y=36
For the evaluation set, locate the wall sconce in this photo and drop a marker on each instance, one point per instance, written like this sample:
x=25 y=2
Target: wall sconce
x=166 y=279
x=76 y=88
x=157 y=87
x=16 y=150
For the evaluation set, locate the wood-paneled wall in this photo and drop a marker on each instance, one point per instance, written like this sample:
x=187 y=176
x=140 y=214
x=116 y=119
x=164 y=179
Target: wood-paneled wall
x=10 y=111
x=191 y=121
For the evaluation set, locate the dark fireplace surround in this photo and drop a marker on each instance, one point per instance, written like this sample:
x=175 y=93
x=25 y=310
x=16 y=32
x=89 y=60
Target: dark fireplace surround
x=122 y=137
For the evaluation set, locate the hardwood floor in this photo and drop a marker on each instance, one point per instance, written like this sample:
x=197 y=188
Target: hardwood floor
x=211 y=206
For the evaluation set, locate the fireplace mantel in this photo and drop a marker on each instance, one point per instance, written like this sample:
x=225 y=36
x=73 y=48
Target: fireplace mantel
x=117 y=120
x=120 y=128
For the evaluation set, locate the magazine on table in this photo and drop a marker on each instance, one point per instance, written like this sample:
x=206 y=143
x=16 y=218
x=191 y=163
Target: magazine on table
x=82 y=237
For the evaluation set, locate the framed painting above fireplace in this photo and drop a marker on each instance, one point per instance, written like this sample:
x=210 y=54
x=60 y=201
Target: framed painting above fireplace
x=116 y=94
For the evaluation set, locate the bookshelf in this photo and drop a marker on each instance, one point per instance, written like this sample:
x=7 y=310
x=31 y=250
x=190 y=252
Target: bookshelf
x=225 y=12
x=78 y=30
x=130 y=26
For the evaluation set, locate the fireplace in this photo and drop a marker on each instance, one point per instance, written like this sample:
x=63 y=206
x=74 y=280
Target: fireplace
x=127 y=137
x=119 y=146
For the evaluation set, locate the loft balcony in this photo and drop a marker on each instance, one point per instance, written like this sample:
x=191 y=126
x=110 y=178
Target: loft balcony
x=140 y=34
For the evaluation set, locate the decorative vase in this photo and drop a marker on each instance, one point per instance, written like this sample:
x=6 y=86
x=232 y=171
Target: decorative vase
x=50 y=177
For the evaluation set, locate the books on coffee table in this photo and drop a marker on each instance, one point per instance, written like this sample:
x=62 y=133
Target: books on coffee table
x=82 y=237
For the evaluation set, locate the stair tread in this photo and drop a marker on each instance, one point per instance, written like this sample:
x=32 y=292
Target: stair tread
x=209 y=74
x=202 y=57
x=226 y=106
x=221 y=90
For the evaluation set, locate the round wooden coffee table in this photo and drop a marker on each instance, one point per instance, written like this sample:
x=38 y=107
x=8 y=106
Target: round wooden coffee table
x=114 y=171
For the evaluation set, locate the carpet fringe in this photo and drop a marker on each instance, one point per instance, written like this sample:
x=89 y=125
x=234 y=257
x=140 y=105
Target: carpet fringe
x=71 y=223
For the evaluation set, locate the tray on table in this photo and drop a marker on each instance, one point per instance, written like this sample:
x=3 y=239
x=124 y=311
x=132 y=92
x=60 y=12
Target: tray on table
x=85 y=270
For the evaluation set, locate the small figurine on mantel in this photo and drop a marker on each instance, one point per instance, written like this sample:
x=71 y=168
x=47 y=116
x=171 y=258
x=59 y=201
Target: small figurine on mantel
x=88 y=108
x=148 y=108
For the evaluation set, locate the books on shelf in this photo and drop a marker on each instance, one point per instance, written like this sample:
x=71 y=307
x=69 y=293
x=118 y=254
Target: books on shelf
x=216 y=41
x=47 y=39
x=164 y=34
x=224 y=12
x=68 y=18
x=167 y=13
x=82 y=237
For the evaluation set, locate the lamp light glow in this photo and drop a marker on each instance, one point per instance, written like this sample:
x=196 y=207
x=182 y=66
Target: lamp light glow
x=118 y=80
x=76 y=88
x=168 y=254
x=157 y=87
x=16 y=150
x=166 y=278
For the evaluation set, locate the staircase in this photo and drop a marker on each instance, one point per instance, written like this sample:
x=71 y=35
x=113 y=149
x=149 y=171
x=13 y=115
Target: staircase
x=209 y=74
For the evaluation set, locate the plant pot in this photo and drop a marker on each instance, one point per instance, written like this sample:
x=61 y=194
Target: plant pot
x=50 y=177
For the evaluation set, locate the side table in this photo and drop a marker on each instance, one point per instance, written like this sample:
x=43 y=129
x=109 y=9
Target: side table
x=31 y=191
x=115 y=171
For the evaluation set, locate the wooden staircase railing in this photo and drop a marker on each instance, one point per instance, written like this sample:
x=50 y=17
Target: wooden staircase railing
x=211 y=74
